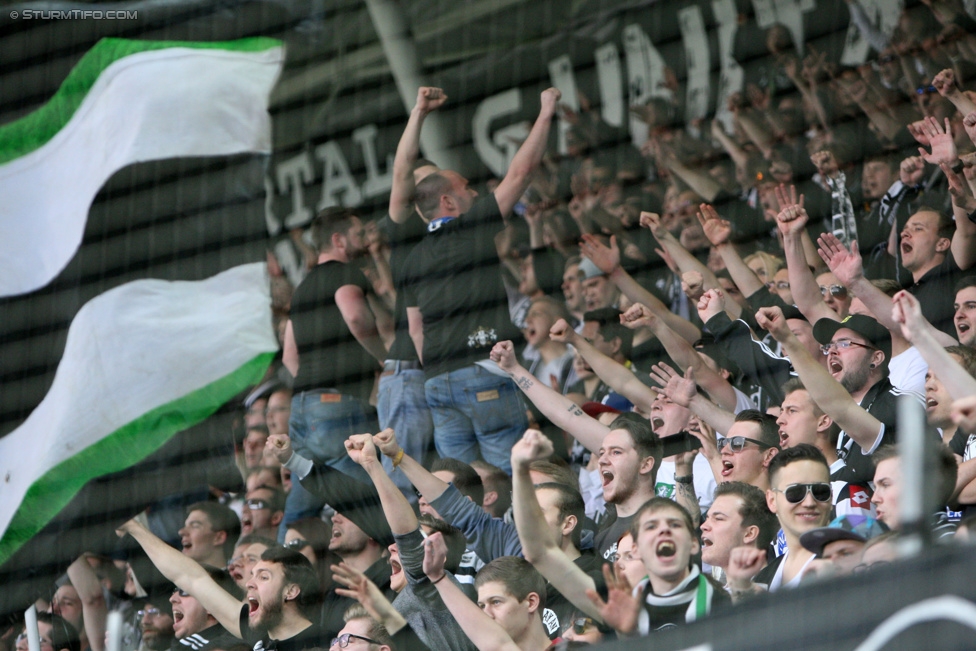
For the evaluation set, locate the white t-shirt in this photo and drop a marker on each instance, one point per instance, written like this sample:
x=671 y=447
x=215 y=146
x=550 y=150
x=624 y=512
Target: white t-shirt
x=907 y=371
x=704 y=481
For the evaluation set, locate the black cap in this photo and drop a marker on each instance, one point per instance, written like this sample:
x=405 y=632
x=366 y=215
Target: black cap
x=867 y=327
x=791 y=312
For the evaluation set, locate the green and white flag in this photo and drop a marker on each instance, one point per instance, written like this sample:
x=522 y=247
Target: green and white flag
x=142 y=362
x=125 y=102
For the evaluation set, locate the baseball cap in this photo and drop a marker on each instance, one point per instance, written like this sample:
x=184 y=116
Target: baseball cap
x=588 y=269
x=867 y=327
x=853 y=526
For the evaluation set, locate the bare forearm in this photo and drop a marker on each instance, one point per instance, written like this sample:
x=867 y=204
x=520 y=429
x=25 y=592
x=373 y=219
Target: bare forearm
x=483 y=631
x=86 y=583
x=399 y=514
x=620 y=378
x=718 y=419
x=686 y=497
x=637 y=294
x=958 y=382
x=705 y=186
x=685 y=355
x=762 y=138
x=560 y=410
x=965 y=492
x=429 y=485
x=745 y=278
x=803 y=285
x=408 y=150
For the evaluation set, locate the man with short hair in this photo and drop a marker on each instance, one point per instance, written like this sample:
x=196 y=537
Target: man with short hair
x=511 y=599
x=800 y=496
x=498 y=488
x=333 y=349
x=888 y=487
x=802 y=421
x=458 y=306
x=359 y=626
x=738 y=516
x=750 y=445
x=156 y=620
x=278 y=411
x=964 y=318
x=195 y=628
x=573 y=289
x=210 y=533
x=361 y=553
x=264 y=508
x=599 y=292
x=282 y=594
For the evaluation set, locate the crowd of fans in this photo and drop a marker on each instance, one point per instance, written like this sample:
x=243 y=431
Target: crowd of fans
x=618 y=390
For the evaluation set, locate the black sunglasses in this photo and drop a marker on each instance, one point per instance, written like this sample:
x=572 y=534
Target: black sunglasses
x=297 y=544
x=796 y=493
x=738 y=443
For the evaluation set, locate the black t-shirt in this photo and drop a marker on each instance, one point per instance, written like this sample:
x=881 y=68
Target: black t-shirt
x=329 y=355
x=455 y=279
x=560 y=610
x=936 y=293
x=215 y=637
x=402 y=239
x=310 y=638
x=605 y=541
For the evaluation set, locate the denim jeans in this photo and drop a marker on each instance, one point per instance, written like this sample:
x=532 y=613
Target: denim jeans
x=402 y=405
x=475 y=410
x=319 y=425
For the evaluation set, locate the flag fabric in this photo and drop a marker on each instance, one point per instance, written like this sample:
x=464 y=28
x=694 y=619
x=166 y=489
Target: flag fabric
x=126 y=101
x=142 y=362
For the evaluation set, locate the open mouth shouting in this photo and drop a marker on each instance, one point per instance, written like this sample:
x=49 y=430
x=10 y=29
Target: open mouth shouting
x=666 y=549
x=727 y=468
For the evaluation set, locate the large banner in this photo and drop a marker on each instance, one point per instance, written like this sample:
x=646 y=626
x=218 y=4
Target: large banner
x=174 y=142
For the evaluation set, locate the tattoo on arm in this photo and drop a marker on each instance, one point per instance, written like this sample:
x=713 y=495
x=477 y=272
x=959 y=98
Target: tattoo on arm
x=687 y=492
x=575 y=410
x=524 y=383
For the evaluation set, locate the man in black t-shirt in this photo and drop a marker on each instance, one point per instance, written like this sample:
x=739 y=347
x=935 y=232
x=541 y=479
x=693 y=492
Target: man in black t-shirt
x=195 y=628
x=282 y=594
x=333 y=349
x=458 y=309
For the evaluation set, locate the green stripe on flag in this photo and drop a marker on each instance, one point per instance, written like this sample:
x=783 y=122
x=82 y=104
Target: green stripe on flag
x=121 y=449
x=36 y=129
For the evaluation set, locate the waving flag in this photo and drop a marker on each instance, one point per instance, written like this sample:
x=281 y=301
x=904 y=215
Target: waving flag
x=143 y=361
x=124 y=102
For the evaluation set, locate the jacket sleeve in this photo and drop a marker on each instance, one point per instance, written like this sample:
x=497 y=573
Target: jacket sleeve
x=759 y=365
x=488 y=537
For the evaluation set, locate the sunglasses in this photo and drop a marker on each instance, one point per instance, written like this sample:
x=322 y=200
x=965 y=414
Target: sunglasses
x=738 y=443
x=796 y=493
x=843 y=344
x=256 y=505
x=297 y=544
x=837 y=291
x=343 y=640
x=181 y=592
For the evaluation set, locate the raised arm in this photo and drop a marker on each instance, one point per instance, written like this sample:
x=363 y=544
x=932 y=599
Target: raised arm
x=399 y=514
x=93 y=607
x=825 y=391
x=718 y=231
x=607 y=260
x=963 y=205
x=560 y=410
x=188 y=575
x=529 y=155
x=620 y=378
x=791 y=221
x=681 y=256
x=483 y=631
x=408 y=150
x=289 y=354
x=683 y=354
x=537 y=546
x=847 y=266
x=907 y=313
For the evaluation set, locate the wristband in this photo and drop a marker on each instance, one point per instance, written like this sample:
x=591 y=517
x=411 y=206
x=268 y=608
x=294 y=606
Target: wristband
x=398 y=458
x=684 y=479
x=440 y=579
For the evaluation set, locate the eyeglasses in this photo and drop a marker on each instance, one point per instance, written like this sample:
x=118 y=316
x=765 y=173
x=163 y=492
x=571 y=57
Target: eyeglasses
x=152 y=612
x=738 y=443
x=343 y=640
x=297 y=544
x=843 y=344
x=922 y=90
x=837 y=291
x=796 y=493
x=782 y=284
x=181 y=592
x=256 y=505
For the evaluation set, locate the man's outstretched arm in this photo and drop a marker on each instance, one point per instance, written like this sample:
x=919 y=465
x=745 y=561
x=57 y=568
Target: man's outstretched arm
x=529 y=155
x=188 y=575
x=402 y=192
x=560 y=410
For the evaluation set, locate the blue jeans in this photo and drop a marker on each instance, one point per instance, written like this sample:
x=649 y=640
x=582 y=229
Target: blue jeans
x=475 y=410
x=319 y=425
x=402 y=405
